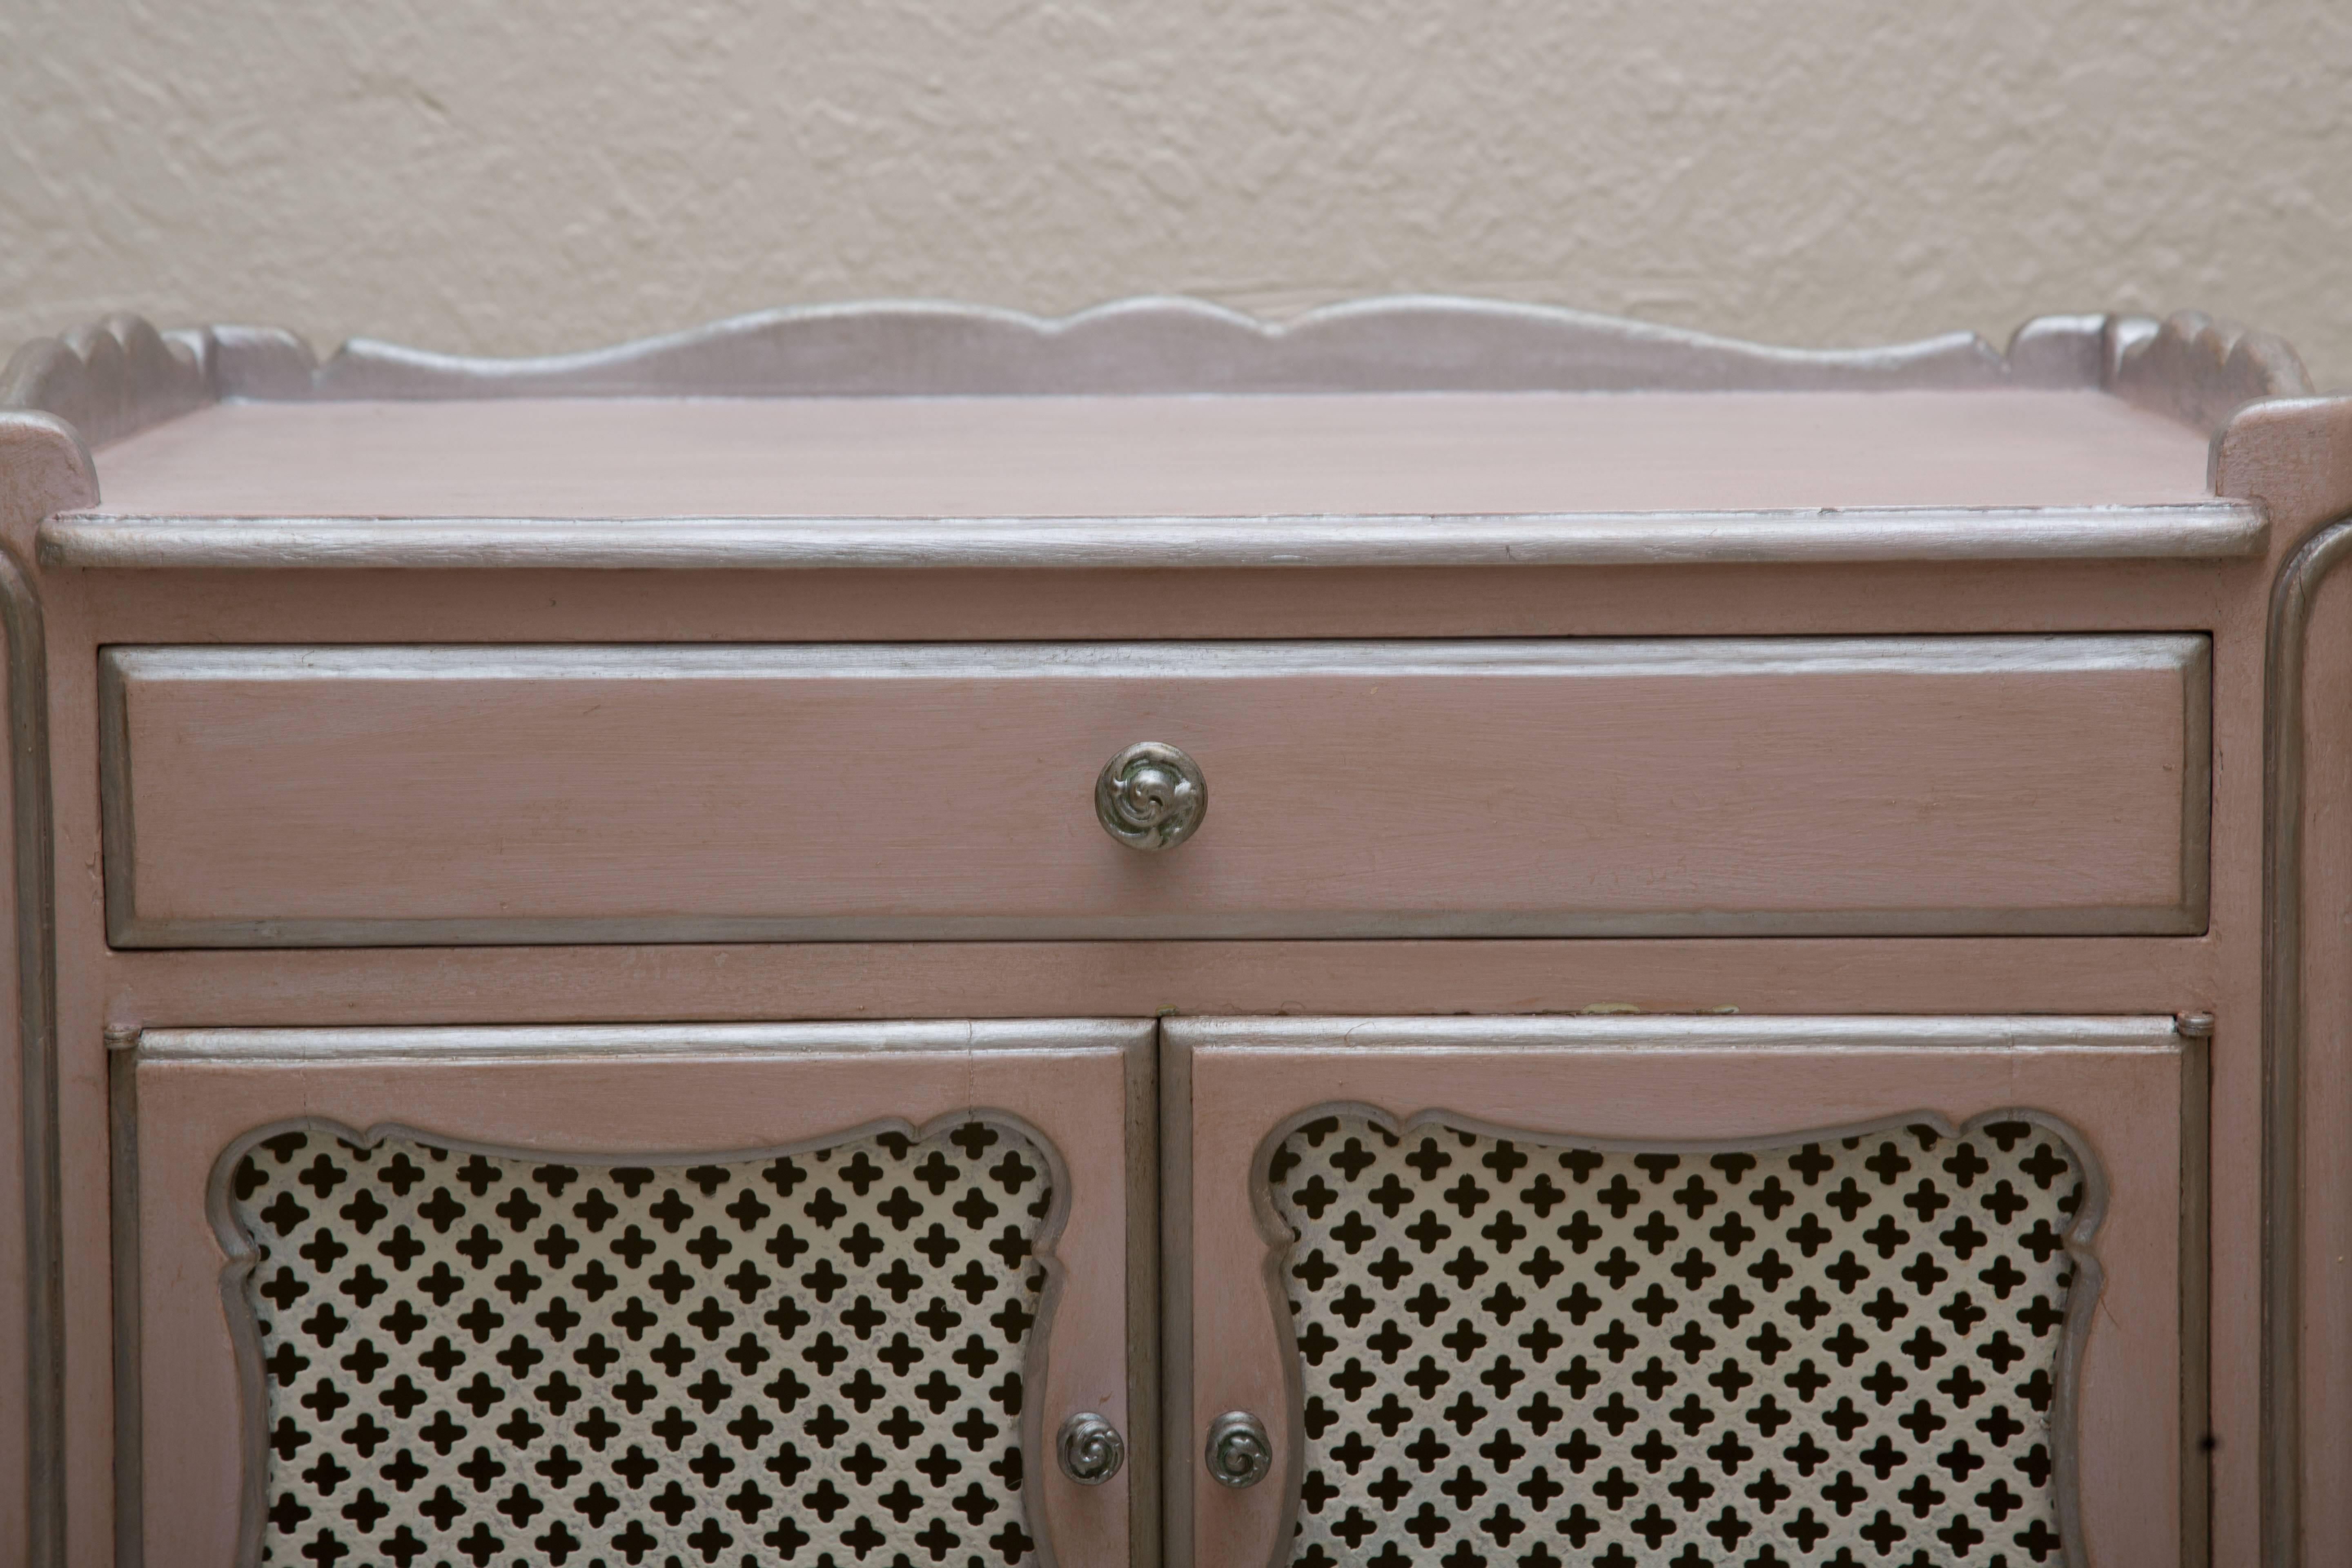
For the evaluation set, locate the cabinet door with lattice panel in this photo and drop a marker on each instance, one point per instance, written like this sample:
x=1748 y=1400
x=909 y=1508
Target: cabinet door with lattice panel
x=1621 y=1292
x=719 y=1295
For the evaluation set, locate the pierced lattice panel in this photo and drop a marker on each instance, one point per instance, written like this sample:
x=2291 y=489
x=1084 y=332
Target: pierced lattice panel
x=1522 y=1354
x=472 y=1361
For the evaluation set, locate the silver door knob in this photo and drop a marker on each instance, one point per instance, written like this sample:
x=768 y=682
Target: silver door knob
x=1151 y=796
x=1091 y=1449
x=1239 y=1452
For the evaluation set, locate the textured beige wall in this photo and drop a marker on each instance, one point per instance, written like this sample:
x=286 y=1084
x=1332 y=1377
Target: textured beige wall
x=514 y=175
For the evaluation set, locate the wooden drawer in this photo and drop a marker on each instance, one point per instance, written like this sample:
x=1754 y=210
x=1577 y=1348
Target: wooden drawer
x=312 y=796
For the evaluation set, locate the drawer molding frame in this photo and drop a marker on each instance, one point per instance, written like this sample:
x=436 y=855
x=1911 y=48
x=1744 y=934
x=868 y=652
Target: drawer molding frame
x=1567 y=659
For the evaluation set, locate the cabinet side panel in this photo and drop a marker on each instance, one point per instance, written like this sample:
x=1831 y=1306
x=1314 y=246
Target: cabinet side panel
x=2325 y=941
x=26 y=1383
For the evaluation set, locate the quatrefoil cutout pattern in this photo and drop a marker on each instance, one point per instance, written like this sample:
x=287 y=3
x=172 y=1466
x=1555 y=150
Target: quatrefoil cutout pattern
x=1525 y=1355
x=817 y=1359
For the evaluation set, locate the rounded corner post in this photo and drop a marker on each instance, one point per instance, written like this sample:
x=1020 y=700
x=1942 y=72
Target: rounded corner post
x=44 y=467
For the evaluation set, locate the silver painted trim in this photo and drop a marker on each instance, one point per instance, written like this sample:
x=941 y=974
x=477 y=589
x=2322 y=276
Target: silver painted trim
x=130 y=1408
x=2189 y=654
x=1140 y=1130
x=2197 y=785
x=2197 y=1439
x=112 y=378
x=35 y=958
x=2194 y=369
x=2194 y=531
x=1494 y=657
x=2284 y=771
x=1407 y=343
x=119 y=375
x=1176 y=1348
x=505 y=1042
x=1674 y=1032
x=1323 y=925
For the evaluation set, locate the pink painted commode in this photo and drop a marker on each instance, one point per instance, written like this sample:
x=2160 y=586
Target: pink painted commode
x=1439 y=933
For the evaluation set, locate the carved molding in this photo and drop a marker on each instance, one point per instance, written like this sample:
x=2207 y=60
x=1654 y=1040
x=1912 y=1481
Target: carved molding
x=2197 y=370
x=1170 y=345
x=121 y=375
x=111 y=379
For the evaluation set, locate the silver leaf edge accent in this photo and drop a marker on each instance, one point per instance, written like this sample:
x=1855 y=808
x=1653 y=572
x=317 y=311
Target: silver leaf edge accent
x=121 y=375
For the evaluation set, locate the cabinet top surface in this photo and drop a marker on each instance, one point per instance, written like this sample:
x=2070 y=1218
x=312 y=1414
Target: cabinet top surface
x=1203 y=455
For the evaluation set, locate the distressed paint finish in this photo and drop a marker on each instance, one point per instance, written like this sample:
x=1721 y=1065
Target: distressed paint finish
x=2211 y=973
x=2288 y=454
x=2194 y=531
x=43 y=468
x=1142 y=457
x=322 y=797
x=2307 y=1069
x=2120 y=1084
x=592 y=1095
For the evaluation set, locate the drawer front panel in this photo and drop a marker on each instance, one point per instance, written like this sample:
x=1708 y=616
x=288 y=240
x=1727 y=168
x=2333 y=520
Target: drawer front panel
x=326 y=797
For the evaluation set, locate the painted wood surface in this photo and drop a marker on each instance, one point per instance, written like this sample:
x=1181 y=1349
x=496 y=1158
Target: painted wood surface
x=2118 y=1083
x=1443 y=454
x=44 y=467
x=2193 y=531
x=356 y=797
x=727 y=982
x=1406 y=342
x=117 y=377
x=2289 y=456
x=195 y=1095
x=2309 y=1062
x=2216 y=973
x=30 y=1371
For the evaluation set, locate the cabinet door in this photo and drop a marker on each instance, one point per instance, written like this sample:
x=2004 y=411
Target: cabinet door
x=1652 y=1291
x=677 y=1296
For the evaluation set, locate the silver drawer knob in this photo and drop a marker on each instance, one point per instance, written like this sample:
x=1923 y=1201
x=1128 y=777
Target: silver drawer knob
x=1151 y=796
x=1239 y=1452
x=1091 y=1448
